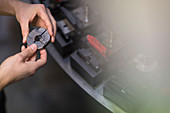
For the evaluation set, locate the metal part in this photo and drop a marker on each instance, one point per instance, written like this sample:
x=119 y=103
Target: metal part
x=65 y=48
x=115 y=92
x=87 y=66
x=86 y=14
x=89 y=59
x=69 y=15
x=66 y=28
x=39 y=37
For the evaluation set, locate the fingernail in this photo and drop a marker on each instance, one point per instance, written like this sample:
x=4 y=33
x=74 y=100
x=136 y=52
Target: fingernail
x=52 y=33
x=24 y=40
x=33 y=47
x=52 y=39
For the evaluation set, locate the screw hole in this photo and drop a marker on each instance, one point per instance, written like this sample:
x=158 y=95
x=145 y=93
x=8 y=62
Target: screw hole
x=37 y=38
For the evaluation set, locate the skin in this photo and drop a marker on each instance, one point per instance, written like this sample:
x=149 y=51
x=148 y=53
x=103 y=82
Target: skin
x=24 y=64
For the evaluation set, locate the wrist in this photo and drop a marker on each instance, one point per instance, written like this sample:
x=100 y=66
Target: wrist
x=4 y=79
x=15 y=5
x=7 y=7
x=18 y=8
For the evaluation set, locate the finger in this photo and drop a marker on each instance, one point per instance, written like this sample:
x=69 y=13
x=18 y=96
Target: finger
x=43 y=54
x=22 y=48
x=43 y=14
x=43 y=59
x=33 y=58
x=54 y=24
x=55 y=29
x=38 y=22
x=25 y=30
x=28 y=52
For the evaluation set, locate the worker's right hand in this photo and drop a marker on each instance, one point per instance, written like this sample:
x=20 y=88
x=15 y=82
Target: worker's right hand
x=21 y=65
x=35 y=15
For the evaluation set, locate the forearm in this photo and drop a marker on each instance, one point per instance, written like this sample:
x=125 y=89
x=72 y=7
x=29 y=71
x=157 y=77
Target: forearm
x=8 y=7
x=4 y=81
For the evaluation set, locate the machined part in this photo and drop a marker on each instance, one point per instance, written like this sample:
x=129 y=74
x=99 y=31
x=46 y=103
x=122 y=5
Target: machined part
x=89 y=59
x=86 y=14
x=39 y=37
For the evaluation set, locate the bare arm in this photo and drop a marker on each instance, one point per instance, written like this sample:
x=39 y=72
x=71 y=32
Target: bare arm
x=24 y=64
x=29 y=14
x=21 y=65
x=6 y=7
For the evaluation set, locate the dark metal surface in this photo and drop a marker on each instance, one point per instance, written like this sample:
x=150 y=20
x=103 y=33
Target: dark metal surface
x=96 y=93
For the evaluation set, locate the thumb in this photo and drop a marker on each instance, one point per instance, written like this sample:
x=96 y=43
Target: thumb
x=28 y=52
x=25 y=30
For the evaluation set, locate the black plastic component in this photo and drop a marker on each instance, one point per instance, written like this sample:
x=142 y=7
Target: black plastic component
x=87 y=66
x=63 y=47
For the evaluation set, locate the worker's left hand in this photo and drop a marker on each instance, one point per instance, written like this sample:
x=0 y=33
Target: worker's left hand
x=21 y=65
x=35 y=15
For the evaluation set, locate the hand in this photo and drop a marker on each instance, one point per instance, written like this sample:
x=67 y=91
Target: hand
x=35 y=15
x=21 y=65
